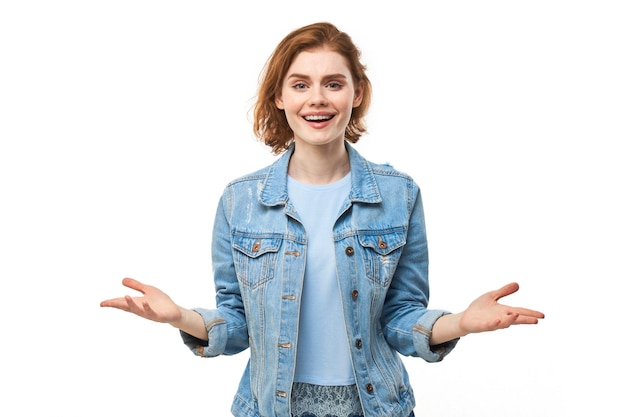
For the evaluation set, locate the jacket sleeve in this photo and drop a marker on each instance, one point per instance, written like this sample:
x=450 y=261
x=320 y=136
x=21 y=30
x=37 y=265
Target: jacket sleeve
x=407 y=322
x=226 y=325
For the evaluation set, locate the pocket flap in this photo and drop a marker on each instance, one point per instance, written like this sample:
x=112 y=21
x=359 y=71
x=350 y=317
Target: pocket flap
x=382 y=242
x=255 y=246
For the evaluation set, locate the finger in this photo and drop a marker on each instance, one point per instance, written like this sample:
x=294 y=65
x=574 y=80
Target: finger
x=133 y=307
x=134 y=284
x=529 y=313
x=119 y=303
x=149 y=312
x=526 y=320
x=502 y=322
x=510 y=319
x=508 y=289
x=146 y=307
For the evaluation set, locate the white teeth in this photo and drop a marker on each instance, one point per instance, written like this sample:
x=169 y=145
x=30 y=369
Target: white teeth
x=317 y=118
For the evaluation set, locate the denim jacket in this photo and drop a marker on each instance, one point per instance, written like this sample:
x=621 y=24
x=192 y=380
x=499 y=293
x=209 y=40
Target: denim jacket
x=259 y=254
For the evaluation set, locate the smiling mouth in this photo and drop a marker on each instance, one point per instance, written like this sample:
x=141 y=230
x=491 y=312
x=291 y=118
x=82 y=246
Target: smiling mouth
x=318 y=118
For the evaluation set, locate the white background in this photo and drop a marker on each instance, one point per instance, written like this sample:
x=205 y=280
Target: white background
x=122 y=121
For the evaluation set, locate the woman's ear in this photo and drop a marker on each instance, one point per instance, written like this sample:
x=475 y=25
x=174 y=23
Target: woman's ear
x=278 y=101
x=358 y=96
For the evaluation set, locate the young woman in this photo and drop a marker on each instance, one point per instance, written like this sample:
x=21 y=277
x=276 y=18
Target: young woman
x=320 y=259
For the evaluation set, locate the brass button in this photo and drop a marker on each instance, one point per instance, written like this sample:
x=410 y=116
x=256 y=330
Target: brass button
x=358 y=344
x=257 y=246
x=369 y=388
x=349 y=251
x=355 y=294
x=381 y=243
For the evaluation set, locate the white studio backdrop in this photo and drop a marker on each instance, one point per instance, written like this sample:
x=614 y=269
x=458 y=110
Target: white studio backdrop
x=122 y=121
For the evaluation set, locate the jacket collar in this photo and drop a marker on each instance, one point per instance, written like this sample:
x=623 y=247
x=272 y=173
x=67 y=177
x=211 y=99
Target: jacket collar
x=363 y=189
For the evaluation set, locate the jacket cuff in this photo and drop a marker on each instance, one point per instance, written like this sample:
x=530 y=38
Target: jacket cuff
x=216 y=329
x=423 y=330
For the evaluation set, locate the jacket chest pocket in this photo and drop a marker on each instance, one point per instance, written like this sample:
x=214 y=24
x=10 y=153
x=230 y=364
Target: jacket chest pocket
x=255 y=258
x=381 y=252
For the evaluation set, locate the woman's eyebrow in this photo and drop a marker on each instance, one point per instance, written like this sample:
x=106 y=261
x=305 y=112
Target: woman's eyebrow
x=326 y=77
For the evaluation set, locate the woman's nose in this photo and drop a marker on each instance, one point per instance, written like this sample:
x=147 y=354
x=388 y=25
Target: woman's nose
x=318 y=98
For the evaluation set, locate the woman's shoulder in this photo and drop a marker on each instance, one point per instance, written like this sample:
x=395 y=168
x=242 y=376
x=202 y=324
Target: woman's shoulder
x=385 y=172
x=381 y=169
x=251 y=176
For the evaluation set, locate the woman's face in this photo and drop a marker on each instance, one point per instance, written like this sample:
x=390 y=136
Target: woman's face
x=317 y=95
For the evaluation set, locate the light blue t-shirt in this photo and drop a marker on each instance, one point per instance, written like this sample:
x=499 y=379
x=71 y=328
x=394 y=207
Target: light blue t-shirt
x=323 y=355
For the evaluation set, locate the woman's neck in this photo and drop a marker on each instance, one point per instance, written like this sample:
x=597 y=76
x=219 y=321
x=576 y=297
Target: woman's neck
x=319 y=165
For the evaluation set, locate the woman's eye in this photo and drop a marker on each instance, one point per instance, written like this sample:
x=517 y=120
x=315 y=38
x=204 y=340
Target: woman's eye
x=334 y=85
x=299 y=86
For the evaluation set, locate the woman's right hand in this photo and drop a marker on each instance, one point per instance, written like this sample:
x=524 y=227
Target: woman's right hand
x=154 y=305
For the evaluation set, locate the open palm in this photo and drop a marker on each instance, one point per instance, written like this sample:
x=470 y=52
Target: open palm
x=154 y=304
x=486 y=314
